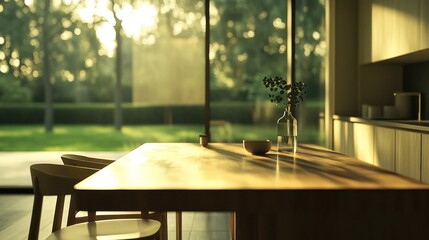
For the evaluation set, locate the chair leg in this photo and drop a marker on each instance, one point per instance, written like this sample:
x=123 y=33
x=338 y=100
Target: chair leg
x=36 y=215
x=92 y=215
x=164 y=227
x=58 y=214
x=71 y=217
x=178 y=225
x=232 y=226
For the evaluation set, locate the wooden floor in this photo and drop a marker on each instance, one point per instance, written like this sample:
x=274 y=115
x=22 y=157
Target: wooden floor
x=15 y=214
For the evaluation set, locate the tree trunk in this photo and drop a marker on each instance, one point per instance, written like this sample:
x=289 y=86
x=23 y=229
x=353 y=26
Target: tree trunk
x=49 y=119
x=118 y=87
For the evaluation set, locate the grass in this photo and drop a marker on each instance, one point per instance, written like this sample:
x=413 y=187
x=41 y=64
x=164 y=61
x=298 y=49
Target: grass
x=90 y=137
x=105 y=138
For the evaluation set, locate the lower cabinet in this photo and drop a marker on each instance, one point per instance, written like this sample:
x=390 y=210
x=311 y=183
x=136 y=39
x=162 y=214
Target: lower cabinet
x=401 y=151
x=384 y=148
x=354 y=139
x=363 y=135
x=407 y=153
x=343 y=137
x=425 y=158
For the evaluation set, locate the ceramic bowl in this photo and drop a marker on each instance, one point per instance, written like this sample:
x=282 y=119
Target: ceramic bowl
x=257 y=147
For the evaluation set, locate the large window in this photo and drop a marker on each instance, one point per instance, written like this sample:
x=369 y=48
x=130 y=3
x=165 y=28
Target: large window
x=249 y=41
x=310 y=50
x=139 y=67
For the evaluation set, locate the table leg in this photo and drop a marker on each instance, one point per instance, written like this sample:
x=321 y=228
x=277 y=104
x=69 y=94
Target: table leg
x=232 y=234
x=178 y=225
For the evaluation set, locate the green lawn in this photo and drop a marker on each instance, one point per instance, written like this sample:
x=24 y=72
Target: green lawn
x=105 y=138
x=90 y=137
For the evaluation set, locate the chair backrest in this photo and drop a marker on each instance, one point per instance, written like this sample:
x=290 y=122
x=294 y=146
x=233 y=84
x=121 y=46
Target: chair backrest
x=53 y=180
x=84 y=161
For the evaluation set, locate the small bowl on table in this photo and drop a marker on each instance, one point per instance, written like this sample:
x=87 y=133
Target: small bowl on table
x=257 y=147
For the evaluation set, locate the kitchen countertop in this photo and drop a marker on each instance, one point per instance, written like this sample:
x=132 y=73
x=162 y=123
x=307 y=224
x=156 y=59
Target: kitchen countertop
x=413 y=125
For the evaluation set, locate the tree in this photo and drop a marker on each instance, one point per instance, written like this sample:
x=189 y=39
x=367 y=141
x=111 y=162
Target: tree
x=115 y=19
x=56 y=27
x=310 y=45
x=118 y=69
x=49 y=109
x=249 y=41
x=17 y=61
x=46 y=28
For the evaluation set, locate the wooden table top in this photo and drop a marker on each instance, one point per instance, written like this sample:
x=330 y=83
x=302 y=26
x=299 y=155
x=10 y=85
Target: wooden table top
x=317 y=192
x=187 y=166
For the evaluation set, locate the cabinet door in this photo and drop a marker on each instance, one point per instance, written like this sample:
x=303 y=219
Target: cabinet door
x=363 y=142
x=343 y=137
x=338 y=136
x=365 y=29
x=407 y=153
x=383 y=30
x=384 y=148
x=391 y=28
x=407 y=26
x=425 y=158
x=424 y=23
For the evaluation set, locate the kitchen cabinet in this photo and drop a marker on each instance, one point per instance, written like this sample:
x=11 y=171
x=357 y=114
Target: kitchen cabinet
x=391 y=28
x=406 y=28
x=354 y=139
x=364 y=31
x=363 y=142
x=425 y=158
x=383 y=33
x=424 y=26
x=408 y=153
x=384 y=148
x=372 y=42
x=343 y=137
x=397 y=149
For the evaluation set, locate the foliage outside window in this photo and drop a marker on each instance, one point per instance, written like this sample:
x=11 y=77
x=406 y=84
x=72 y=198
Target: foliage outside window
x=247 y=42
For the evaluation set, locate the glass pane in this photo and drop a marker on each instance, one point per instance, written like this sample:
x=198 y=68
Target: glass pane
x=310 y=49
x=168 y=66
x=247 y=42
x=161 y=69
x=75 y=50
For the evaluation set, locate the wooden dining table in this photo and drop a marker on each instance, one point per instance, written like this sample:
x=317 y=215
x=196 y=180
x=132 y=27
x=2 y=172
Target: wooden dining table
x=315 y=193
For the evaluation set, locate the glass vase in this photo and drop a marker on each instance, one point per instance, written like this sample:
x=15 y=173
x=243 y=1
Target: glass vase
x=287 y=132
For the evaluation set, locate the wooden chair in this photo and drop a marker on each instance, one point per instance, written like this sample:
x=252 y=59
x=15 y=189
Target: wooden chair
x=81 y=160
x=59 y=180
x=99 y=163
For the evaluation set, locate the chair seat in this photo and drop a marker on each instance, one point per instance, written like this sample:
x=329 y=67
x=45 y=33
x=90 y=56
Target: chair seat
x=99 y=163
x=108 y=229
x=83 y=214
x=137 y=214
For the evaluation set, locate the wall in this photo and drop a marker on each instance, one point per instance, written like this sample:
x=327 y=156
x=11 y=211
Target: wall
x=346 y=56
x=378 y=82
x=416 y=79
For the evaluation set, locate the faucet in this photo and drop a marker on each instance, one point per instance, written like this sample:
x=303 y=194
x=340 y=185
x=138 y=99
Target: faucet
x=417 y=94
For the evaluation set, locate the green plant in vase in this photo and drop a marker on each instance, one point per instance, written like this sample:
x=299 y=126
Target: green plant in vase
x=288 y=96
